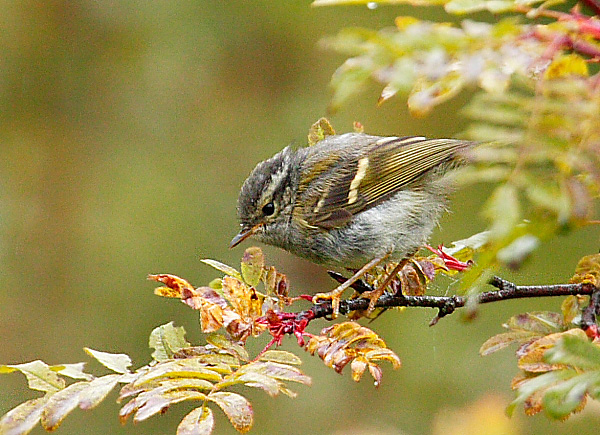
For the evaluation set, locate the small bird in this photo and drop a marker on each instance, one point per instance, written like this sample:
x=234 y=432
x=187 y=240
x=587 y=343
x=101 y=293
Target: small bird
x=351 y=200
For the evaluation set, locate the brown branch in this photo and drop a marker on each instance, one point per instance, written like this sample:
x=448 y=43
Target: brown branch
x=448 y=304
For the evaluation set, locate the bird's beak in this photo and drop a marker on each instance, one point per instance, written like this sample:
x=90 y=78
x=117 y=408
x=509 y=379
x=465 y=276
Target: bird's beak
x=243 y=235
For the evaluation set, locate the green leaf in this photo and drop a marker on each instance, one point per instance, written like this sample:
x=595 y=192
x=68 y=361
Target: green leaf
x=563 y=399
x=253 y=263
x=227 y=270
x=538 y=383
x=21 y=419
x=237 y=409
x=117 y=362
x=282 y=372
x=222 y=342
x=198 y=422
x=39 y=375
x=280 y=356
x=166 y=340
x=575 y=351
x=61 y=404
x=190 y=368
x=503 y=210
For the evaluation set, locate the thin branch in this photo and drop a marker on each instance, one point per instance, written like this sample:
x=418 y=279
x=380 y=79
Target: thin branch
x=448 y=304
x=590 y=314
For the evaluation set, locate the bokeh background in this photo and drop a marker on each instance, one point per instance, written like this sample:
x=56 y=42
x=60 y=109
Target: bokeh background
x=126 y=131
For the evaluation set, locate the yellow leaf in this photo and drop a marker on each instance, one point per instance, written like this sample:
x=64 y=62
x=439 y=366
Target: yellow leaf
x=567 y=65
x=319 y=131
x=587 y=271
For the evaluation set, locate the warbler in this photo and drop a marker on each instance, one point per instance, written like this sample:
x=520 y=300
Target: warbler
x=351 y=200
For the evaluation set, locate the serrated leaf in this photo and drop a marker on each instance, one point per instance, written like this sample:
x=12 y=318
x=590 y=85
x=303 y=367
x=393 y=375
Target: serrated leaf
x=539 y=383
x=253 y=263
x=61 y=404
x=569 y=396
x=532 y=357
x=198 y=422
x=166 y=340
x=117 y=362
x=575 y=350
x=280 y=356
x=237 y=409
x=501 y=341
x=227 y=270
x=39 y=375
x=21 y=419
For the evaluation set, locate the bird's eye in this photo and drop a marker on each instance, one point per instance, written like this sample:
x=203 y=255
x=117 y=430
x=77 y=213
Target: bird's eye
x=268 y=209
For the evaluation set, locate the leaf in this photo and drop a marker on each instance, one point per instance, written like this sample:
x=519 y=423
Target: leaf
x=531 y=386
x=227 y=270
x=575 y=350
x=503 y=210
x=345 y=342
x=587 y=271
x=198 y=422
x=572 y=307
x=21 y=419
x=253 y=263
x=166 y=340
x=567 y=397
x=97 y=390
x=518 y=250
x=155 y=403
x=237 y=409
x=540 y=322
x=74 y=371
x=501 y=341
x=319 y=131
x=60 y=404
x=39 y=375
x=282 y=372
x=566 y=65
x=280 y=356
x=175 y=285
x=532 y=356
x=222 y=342
x=117 y=362
x=190 y=367
x=257 y=380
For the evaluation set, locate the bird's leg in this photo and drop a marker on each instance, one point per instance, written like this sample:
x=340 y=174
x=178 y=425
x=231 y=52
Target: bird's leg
x=335 y=294
x=374 y=295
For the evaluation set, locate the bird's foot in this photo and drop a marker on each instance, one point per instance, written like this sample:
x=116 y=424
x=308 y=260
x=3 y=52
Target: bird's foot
x=335 y=296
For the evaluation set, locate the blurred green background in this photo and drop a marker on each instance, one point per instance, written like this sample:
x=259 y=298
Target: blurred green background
x=126 y=131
